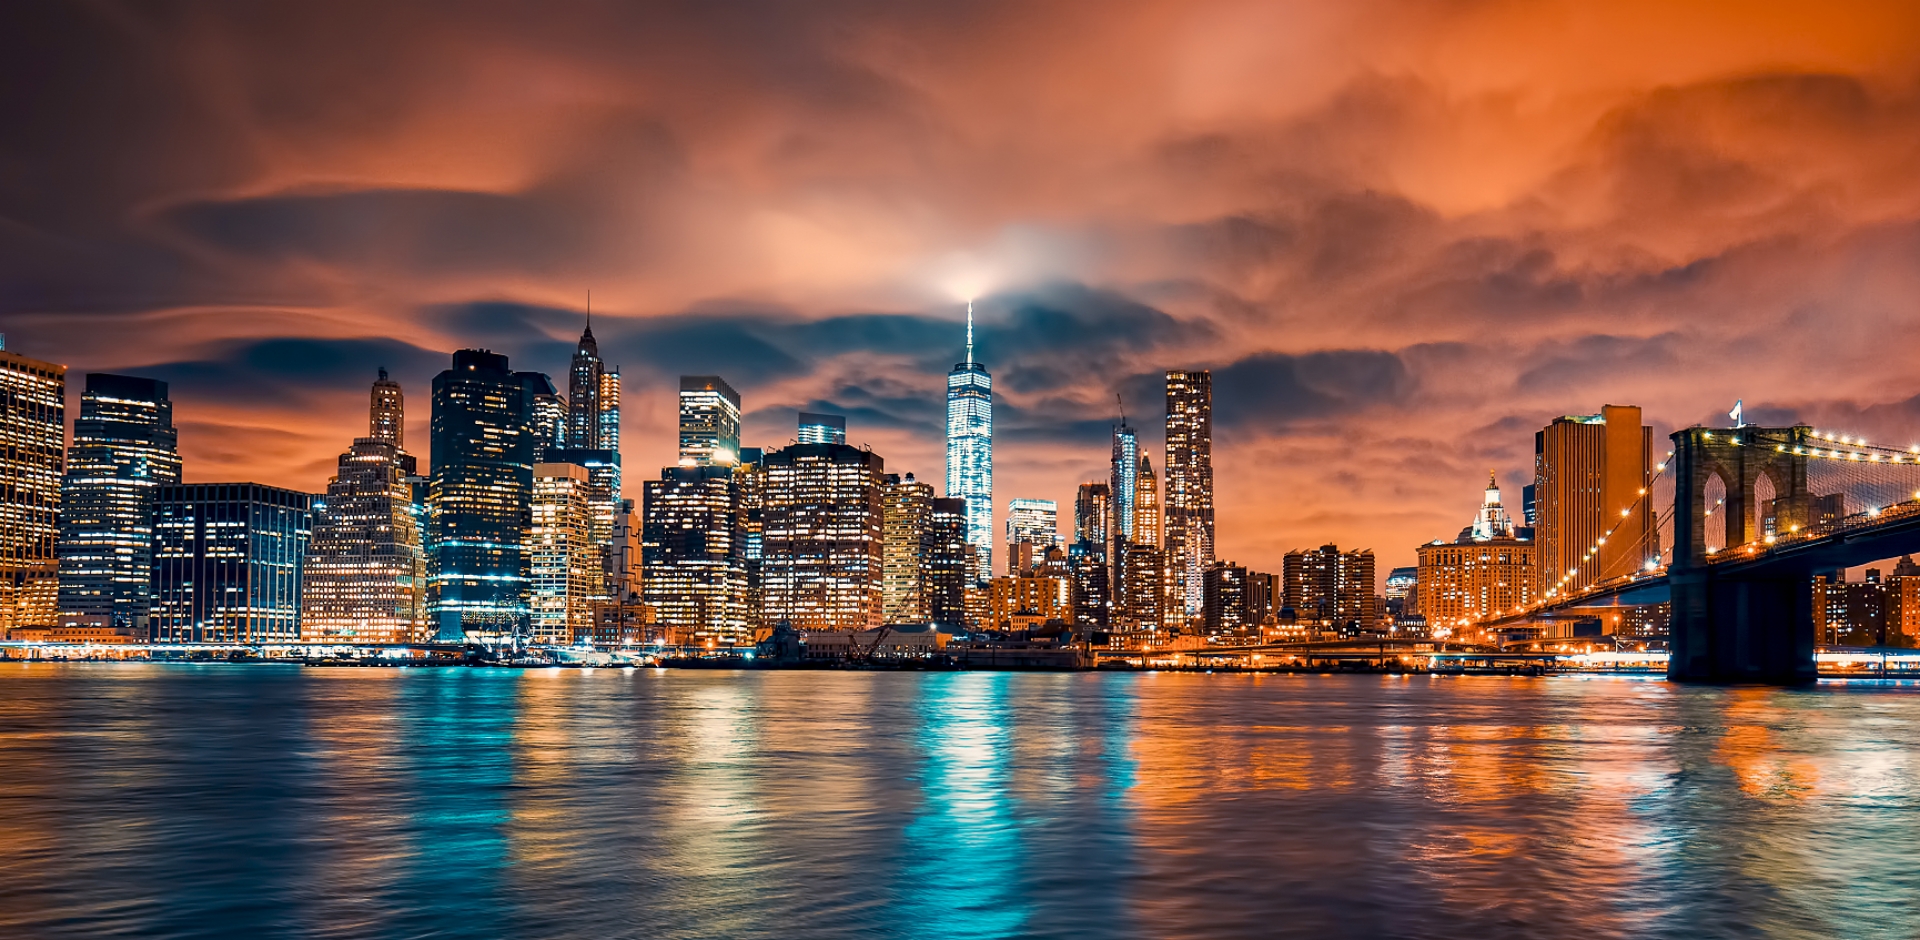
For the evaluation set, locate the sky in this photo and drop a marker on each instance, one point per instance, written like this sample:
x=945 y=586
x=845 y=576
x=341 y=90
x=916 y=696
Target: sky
x=1403 y=235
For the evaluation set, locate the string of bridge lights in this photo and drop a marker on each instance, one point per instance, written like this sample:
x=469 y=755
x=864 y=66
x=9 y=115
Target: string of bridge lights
x=1856 y=449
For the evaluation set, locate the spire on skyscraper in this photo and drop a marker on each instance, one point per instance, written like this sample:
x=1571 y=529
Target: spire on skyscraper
x=970 y=449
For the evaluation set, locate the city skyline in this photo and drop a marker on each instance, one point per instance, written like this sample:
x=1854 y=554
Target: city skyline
x=1387 y=253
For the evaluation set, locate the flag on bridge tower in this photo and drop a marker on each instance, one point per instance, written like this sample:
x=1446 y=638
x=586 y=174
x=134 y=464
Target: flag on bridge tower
x=1735 y=413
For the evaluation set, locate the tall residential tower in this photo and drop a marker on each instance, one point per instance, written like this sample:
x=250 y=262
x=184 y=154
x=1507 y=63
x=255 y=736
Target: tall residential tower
x=1188 y=490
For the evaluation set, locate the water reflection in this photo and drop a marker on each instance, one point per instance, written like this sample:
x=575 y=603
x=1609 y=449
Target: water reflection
x=266 y=801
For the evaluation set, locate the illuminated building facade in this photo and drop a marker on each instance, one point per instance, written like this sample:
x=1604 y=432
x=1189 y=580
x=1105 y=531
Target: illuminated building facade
x=228 y=560
x=709 y=422
x=1462 y=582
x=583 y=404
x=387 y=413
x=124 y=449
x=1146 y=505
x=1088 y=562
x=603 y=474
x=1189 y=485
x=480 y=498
x=1224 y=590
x=1142 y=588
x=365 y=575
x=33 y=451
x=1330 y=586
x=1092 y=510
x=821 y=429
x=1017 y=601
x=1034 y=523
x=624 y=618
x=824 y=564
x=970 y=450
x=1399 y=594
x=693 y=561
x=1589 y=475
x=948 y=571
x=568 y=566
x=750 y=493
x=907 y=507
x=546 y=411
x=1488 y=569
x=592 y=412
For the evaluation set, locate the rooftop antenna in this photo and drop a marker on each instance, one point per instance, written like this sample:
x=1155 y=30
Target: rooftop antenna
x=1123 y=408
x=589 y=310
x=969 y=330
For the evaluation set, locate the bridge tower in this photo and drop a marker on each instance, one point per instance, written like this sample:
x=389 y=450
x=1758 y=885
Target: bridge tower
x=1728 y=627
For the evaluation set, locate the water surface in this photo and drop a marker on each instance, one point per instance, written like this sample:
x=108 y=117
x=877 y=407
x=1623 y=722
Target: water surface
x=269 y=801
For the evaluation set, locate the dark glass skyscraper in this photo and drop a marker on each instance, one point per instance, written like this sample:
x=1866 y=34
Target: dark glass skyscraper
x=124 y=449
x=709 y=422
x=947 y=574
x=227 y=562
x=480 y=501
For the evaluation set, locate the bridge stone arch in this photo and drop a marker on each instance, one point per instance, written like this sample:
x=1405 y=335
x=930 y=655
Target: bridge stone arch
x=1726 y=628
x=1740 y=457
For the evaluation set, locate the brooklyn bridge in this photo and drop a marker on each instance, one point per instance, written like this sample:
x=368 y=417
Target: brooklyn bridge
x=1744 y=519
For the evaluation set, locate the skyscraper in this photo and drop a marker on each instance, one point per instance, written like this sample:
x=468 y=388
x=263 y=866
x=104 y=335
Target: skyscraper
x=583 y=393
x=907 y=508
x=480 y=501
x=1035 y=522
x=365 y=575
x=1189 y=484
x=124 y=449
x=227 y=562
x=970 y=450
x=387 y=412
x=709 y=422
x=547 y=411
x=824 y=567
x=693 y=558
x=33 y=451
x=1123 y=475
x=1092 y=513
x=567 y=565
x=593 y=421
x=1331 y=586
x=365 y=578
x=1146 y=505
x=821 y=429
x=1589 y=474
x=947 y=571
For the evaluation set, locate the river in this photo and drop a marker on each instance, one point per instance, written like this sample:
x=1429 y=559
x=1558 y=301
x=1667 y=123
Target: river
x=274 y=801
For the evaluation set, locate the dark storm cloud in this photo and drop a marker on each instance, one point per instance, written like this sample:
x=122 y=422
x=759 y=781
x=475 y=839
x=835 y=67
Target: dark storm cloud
x=288 y=370
x=1272 y=391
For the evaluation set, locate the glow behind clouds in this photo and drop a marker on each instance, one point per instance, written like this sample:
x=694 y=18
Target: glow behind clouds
x=1403 y=235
